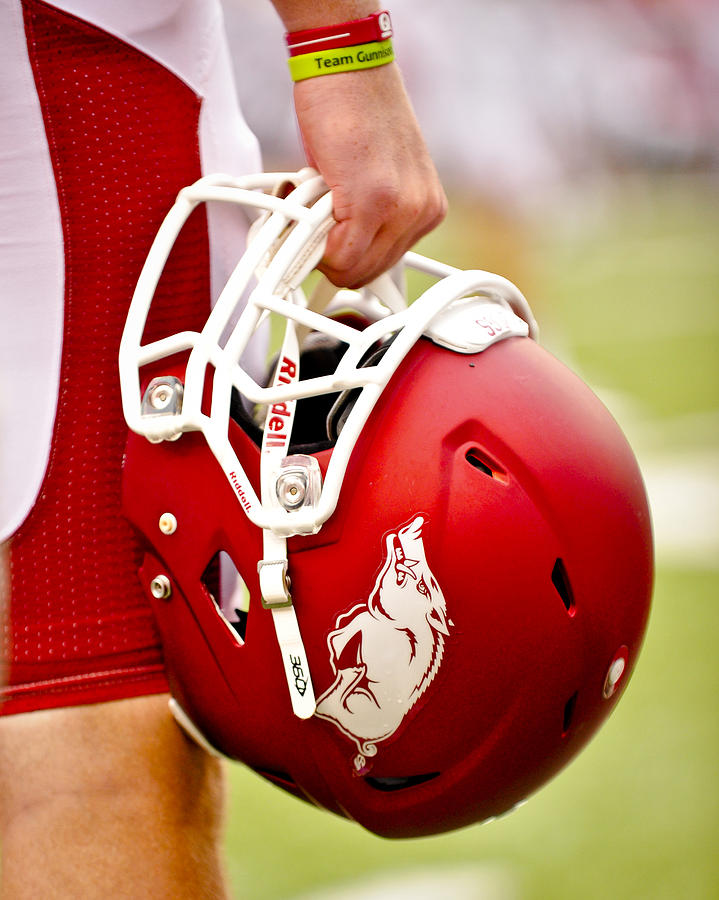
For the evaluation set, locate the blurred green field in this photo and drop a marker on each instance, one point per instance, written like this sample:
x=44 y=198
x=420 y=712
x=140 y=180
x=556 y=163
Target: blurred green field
x=629 y=297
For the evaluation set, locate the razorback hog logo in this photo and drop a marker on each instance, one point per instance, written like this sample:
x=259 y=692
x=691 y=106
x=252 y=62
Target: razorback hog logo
x=386 y=651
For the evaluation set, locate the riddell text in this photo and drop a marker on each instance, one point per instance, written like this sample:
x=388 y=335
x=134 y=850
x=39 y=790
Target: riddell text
x=276 y=426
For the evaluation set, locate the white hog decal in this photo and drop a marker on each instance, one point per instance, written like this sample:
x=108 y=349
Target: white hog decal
x=386 y=651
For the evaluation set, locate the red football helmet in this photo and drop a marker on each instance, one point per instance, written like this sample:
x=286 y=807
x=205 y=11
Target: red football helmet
x=443 y=534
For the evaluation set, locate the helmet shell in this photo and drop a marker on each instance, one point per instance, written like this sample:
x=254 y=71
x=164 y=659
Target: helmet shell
x=516 y=491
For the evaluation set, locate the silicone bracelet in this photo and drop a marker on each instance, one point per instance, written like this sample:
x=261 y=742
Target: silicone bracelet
x=377 y=27
x=345 y=59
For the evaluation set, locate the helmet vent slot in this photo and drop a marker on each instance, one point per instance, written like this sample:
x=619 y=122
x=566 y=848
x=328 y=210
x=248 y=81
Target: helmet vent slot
x=206 y=404
x=389 y=784
x=569 y=708
x=483 y=462
x=474 y=459
x=222 y=580
x=282 y=780
x=561 y=582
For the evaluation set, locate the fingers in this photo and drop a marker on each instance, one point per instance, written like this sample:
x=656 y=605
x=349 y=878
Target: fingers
x=378 y=228
x=360 y=132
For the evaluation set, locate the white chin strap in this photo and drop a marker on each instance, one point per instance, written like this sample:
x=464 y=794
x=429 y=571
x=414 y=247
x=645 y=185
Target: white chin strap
x=274 y=579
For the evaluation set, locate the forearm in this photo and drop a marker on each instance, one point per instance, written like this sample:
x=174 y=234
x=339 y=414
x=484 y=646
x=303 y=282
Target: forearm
x=359 y=131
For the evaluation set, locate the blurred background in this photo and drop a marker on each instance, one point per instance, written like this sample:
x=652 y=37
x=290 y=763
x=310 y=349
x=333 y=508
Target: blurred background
x=579 y=144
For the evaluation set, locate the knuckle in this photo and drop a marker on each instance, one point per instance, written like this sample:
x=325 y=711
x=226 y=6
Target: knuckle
x=426 y=207
x=433 y=211
x=441 y=206
x=342 y=256
x=387 y=199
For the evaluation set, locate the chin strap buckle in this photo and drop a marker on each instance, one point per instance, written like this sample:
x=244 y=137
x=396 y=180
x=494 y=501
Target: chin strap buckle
x=274 y=583
x=275 y=588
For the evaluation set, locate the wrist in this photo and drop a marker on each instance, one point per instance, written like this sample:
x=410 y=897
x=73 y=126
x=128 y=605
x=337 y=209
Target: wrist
x=374 y=28
x=358 y=44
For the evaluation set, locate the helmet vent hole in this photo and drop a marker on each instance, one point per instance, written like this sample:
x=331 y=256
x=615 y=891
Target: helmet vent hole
x=222 y=580
x=483 y=463
x=282 y=780
x=388 y=784
x=206 y=405
x=569 y=708
x=561 y=582
x=473 y=459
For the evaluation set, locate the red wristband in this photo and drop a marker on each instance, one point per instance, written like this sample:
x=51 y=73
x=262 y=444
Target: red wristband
x=377 y=27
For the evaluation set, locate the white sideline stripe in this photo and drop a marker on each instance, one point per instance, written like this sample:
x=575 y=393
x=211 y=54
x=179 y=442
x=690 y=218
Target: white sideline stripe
x=683 y=491
x=704 y=324
x=682 y=482
x=488 y=881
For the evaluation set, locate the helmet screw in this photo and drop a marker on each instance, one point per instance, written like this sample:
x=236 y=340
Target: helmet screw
x=161 y=396
x=615 y=672
x=292 y=489
x=160 y=587
x=167 y=523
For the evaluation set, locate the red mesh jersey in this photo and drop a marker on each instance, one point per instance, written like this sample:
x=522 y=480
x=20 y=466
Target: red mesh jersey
x=122 y=133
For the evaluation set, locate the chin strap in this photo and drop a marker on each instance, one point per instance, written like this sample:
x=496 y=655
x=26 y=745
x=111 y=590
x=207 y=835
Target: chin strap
x=274 y=580
x=282 y=476
x=275 y=588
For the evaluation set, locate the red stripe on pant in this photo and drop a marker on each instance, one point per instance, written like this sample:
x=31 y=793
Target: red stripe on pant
x=123 y=138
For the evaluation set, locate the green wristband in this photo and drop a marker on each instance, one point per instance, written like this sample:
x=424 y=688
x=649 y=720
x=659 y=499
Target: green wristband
x=345 y=59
